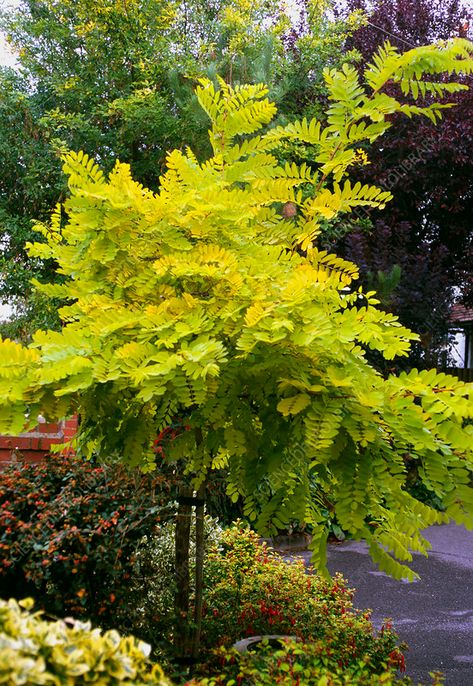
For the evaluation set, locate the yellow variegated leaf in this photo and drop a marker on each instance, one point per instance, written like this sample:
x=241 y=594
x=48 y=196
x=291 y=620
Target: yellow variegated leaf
x=294 y=404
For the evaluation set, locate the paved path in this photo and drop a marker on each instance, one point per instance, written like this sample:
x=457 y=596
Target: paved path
x=433 y=615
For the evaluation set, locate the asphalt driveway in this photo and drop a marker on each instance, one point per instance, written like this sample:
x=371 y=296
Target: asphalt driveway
x=434 y=616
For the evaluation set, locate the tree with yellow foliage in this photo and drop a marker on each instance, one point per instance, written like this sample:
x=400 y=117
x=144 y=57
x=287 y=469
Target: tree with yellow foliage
x=206 y=300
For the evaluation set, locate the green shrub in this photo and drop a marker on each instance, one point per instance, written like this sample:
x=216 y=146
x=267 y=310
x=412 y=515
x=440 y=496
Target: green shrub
x=34 y=651
x=69 y=532
x=250 y=590
x=296 y=664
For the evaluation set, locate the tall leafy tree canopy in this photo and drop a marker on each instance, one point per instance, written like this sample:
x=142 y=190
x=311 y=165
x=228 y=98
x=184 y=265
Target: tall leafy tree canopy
x=117 y=81
x=209 y=301
x=428 y=230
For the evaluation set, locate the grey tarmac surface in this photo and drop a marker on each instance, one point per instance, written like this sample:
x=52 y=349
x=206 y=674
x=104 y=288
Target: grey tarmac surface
x=434 y=616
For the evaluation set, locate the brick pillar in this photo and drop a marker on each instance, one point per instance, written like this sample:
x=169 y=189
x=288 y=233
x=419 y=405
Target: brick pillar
x=69 y=429
x=33 y=446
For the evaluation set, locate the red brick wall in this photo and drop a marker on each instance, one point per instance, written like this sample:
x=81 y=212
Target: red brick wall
x=33 y=446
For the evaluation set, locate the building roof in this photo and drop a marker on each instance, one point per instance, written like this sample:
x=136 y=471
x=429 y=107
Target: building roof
x=461 y=314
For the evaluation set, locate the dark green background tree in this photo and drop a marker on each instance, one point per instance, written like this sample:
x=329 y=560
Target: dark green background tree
x=427 y=230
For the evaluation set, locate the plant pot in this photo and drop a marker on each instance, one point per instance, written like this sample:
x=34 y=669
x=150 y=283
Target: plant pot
x=248 y=645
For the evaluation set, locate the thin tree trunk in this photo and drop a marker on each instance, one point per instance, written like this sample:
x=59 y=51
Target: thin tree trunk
x=181 y=603
x=187 y=643
x=199 y=568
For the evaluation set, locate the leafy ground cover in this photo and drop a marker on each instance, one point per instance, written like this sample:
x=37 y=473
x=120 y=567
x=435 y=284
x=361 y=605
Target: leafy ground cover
x=296 y=664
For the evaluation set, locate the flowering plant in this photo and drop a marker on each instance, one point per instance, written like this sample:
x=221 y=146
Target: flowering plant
x=252 y=591
x=69 y=531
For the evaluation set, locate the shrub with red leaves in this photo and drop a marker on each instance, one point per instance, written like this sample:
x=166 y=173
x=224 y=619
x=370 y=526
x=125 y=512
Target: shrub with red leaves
x=250 y=591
